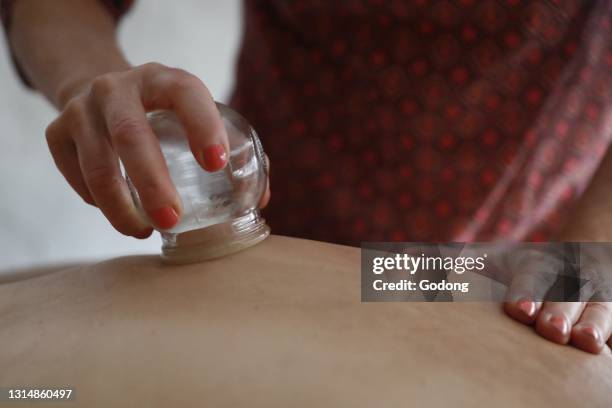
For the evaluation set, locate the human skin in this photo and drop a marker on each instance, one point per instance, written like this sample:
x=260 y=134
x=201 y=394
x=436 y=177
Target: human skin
x=69 y=51
x=585 y=325
x=275 y=326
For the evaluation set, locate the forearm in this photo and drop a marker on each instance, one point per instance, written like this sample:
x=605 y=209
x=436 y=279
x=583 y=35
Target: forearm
x=63 y=44
x=591 y=220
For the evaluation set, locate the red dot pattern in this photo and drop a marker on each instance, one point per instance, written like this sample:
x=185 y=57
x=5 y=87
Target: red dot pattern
x=427 y=120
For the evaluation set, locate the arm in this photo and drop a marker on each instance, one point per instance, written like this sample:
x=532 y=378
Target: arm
x=62 y=45
x=69 y=51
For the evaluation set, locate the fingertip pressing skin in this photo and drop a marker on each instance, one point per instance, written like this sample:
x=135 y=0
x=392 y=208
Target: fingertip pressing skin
x=587 y=338
x=523 y=310
x=556 y=322
x=556 y=319
x=593 y=328
x=555 y=328
x=527 y=288
x=585 y=325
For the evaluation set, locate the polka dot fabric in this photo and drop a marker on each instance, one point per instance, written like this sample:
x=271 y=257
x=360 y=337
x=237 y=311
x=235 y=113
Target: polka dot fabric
x=427 y=120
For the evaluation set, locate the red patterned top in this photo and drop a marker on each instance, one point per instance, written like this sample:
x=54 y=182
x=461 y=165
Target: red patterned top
x=427 y=120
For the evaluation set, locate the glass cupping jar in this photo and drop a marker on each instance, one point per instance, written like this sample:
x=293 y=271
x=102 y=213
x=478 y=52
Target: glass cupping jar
x=220 y=209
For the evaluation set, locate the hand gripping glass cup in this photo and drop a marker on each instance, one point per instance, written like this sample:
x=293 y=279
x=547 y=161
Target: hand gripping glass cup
x=220 y=209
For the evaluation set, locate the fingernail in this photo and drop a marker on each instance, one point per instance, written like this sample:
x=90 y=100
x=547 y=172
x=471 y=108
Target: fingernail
x=214 y=157
x=559 y=323
x=164 y=218
x=591 y=332
x=526 y=306
x=144 y=234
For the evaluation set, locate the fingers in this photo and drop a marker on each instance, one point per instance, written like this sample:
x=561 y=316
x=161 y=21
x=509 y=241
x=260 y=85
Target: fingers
x=594 y=327
x=525 y=294
x=88 y=162
x=64 y=153
x=188 y=97
x=108 y=123
x=532 y=273
x=586 y=325
x=265 y=199
x=556 y=319
x=139 y=150
x=103 y=176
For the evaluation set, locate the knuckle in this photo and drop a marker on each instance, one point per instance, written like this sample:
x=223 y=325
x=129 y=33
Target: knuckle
x=74 y=115
x=125 y=132
x=103 y=85
x=604 y=308
x=151 y=68
x=182 y=80
x=76 y=108
x=52 y=134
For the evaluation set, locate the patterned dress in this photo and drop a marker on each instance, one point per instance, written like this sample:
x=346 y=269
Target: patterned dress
x=426 y=120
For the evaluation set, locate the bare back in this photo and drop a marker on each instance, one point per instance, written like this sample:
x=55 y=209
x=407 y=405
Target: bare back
x=280 y=324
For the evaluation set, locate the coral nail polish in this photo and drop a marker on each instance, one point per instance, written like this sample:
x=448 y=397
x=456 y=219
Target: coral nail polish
x=164 y=218
x=144 y=234
x=591 y=332
x=214 y=157
x=219 y=214
x=559 y=323
x=526 y=306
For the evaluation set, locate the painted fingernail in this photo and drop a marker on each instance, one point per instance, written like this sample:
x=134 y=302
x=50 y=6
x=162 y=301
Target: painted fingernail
x=144 y=234
x=214 y=157
x=559 y=323
x=164 y=218
x=591 y=332
x=526 y=306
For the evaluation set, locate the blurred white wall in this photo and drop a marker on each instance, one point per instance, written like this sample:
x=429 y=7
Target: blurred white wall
x=42 y=221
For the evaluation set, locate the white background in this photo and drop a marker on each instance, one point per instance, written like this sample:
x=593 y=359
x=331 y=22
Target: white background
x=42 y=221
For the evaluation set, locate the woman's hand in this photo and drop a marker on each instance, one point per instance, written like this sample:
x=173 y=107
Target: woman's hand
x=534 y=298
x=585 y=325
x=103 y=102
x=105 y=121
